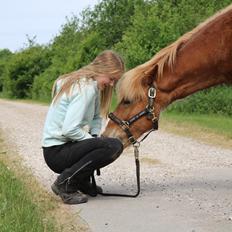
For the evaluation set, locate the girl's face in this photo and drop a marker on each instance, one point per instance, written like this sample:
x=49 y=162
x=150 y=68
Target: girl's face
x=104 y=80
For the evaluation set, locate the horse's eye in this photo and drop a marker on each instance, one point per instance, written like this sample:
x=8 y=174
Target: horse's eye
x=126 y=102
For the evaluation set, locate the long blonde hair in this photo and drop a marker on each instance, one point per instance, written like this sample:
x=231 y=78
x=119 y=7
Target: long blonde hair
x=107 y=62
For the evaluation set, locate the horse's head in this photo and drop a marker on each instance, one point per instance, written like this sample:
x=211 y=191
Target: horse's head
x=180 y=73
x=135 y=106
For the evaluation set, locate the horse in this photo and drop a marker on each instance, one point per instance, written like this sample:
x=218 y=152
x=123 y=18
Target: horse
x=199 y=59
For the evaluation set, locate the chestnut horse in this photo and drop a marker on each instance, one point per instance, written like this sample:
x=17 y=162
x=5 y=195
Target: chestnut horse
x=200 y=59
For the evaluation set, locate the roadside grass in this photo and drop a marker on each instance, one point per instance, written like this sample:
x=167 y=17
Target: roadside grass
x=24 y=204
x=18 y=212
x=212 y=129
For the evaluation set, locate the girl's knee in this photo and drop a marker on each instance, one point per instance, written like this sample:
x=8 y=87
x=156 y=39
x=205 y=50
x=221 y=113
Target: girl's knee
x=116 y=147
x=115 y=144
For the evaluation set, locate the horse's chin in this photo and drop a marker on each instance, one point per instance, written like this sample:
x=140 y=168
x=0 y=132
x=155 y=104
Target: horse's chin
x=116 y=134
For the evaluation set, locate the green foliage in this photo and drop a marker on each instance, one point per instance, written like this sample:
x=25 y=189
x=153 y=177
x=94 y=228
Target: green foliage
x=110 y=18
x=158 y=23
x=63 y=54
x=81 y=40
x=17 y=211
x=22 y=69
x=136 y=29
x=70 y=51
x=211 y=101
x=42 y=85
x=5 y=55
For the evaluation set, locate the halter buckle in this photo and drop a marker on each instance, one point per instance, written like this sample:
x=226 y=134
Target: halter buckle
x=124 y=125
x=154 y=119
x=151 y=92
x=132 y=140
x=136 y=150
x=150 y=109
x=155 y=123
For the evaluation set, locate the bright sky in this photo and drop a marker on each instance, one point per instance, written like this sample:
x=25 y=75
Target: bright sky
x=40 y=18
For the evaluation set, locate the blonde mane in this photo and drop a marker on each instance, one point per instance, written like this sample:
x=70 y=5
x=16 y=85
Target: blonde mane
x=130 y=86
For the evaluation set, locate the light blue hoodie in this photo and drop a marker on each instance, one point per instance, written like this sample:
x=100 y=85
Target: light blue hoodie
x=67 y=117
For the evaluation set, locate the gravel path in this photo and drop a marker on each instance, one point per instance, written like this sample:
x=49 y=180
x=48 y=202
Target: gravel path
x=186 y=185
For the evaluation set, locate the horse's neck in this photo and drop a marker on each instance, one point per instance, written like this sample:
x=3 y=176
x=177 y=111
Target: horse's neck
x=190 y=84
x=174 y=86
x=203 y=62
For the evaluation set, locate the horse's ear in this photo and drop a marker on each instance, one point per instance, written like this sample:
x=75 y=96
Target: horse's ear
x=150 y=76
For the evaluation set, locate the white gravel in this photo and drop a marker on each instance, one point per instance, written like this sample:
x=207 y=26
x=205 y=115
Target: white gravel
x=186 y=185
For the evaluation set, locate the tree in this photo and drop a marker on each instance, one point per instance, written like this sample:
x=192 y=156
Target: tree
x=5 y=55
x=22 y=69
x=159 y=23
x=110 y=18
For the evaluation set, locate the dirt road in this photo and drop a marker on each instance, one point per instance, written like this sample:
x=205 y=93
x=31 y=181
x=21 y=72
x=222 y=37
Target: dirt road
x=186 y=185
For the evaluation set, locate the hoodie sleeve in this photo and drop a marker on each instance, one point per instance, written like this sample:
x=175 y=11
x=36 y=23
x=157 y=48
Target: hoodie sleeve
x=78 y=106
x=96 y=124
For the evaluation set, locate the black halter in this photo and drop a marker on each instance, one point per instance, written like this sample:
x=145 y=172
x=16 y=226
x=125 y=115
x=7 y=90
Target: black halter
x=148 y=111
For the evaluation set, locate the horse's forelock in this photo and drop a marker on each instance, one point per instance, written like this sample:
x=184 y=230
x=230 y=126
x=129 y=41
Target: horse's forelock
x=130 y=86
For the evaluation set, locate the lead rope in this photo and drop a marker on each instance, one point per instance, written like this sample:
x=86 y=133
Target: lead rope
x=137 y=163
x=136 y=146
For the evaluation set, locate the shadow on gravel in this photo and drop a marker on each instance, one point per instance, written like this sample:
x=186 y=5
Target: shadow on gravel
x=187 y=184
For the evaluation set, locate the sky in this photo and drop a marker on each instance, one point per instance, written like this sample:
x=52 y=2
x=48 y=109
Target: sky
x=40 y=18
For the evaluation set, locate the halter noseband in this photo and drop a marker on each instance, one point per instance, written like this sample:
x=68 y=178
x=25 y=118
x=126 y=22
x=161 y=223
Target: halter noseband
x=148 y=111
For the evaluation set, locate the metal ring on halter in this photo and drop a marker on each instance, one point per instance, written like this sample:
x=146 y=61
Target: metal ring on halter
x=150 y=109
x=137 y=144
x=132 y=140
x=125 y=123
x=151 y=92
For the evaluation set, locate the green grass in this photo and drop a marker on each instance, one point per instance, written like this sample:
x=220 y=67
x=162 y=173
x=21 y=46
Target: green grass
x=18 y=213
x=25 y=206
x=215 y=123
x=210 y=129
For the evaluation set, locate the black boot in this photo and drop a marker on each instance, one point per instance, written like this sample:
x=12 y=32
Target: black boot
x=68 y=192
x=88 y=187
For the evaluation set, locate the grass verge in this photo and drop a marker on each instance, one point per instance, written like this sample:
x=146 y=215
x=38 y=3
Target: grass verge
x=212 y=129
x=18 y=212
x=24 y=204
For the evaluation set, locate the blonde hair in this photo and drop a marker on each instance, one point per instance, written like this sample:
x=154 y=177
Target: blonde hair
x=107 y=62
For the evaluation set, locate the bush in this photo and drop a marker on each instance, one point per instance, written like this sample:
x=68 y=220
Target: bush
x=22 y=68
x=212 y=101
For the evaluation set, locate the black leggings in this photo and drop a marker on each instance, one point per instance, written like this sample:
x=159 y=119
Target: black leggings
x=81 y=158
